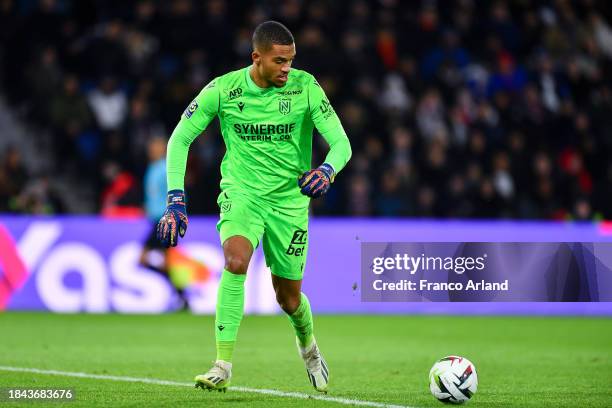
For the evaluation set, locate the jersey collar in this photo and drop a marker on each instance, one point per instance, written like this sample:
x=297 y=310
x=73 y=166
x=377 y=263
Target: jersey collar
x=254 y=87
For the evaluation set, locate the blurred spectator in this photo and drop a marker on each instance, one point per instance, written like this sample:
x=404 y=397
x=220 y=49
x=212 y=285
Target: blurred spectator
x=359 y=202
x=155 y=179
x=395 y=98
x=109 y=105
x=142 y=126
x=120 y=196
x=502 y=178
x=442 y=59
x=13 y=178
x=70 y=116
x=44 y=77
x=69 y=105
x=430 y=116
x=602 y=33
x=103 y=51
x=23 y=194
x=38 y=197
x=508 y=78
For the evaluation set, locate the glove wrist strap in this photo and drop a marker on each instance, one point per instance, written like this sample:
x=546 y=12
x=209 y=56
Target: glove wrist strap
x=329 y=171
x=176 y=197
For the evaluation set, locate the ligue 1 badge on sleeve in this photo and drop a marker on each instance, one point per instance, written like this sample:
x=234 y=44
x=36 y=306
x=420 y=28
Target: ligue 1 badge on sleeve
x=191 y=109
x=284 y=106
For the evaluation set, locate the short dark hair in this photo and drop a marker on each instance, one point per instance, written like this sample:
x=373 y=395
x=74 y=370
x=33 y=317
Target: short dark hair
x=269 y=33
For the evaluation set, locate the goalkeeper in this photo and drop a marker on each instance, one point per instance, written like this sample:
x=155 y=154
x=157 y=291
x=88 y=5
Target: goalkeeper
x=267 y=113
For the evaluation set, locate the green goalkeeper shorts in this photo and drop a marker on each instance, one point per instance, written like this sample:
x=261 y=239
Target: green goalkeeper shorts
x=284 y=232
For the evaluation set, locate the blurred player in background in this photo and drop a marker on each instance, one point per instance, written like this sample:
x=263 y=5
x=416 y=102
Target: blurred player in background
x=267 y=112
x=155 y=188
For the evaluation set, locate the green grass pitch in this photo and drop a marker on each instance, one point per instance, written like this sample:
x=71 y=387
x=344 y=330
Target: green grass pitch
x=521 y=361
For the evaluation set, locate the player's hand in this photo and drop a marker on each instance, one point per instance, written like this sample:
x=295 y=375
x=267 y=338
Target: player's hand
x=174 y=221
x=315 y=183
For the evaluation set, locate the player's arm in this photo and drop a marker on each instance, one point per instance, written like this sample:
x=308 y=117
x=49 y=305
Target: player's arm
x=314 y=183
x=193 y=122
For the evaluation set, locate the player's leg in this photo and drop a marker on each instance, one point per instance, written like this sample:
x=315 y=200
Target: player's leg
x=152 y=244
x=237 y=251
x=230 y=307
x=285 y=245
x=297 y=307
x=240 y=228
x=162 y=267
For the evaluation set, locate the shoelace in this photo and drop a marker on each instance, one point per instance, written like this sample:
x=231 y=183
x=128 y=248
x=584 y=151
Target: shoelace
x=218 y=371
x=313 y=359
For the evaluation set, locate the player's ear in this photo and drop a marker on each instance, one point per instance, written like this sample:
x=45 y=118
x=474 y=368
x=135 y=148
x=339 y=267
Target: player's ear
x=256 y=57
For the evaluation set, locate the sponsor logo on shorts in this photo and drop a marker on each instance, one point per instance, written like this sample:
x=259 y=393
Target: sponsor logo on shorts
x=298 y=241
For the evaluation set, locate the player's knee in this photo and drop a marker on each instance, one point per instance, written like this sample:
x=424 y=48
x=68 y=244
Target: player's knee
x=289 y=304
x=236 y=264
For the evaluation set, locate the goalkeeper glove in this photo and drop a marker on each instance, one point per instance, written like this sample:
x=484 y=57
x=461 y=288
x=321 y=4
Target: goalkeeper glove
x=315 y=183
x=174 y=221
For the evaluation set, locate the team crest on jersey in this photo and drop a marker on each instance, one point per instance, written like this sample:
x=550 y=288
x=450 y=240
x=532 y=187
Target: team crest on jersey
x=226 y=206
x=191 y=109
x=284 y=106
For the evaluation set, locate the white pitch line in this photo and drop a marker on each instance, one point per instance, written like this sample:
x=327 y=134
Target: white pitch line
x=276 y=393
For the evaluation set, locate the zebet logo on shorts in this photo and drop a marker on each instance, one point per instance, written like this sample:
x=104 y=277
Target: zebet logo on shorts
x=296 y=247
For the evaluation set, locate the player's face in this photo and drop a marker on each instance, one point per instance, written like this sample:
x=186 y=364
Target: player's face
x=157 y=149
x=273 y=65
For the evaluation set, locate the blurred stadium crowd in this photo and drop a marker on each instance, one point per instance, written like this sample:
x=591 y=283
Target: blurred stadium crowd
x=465 y=108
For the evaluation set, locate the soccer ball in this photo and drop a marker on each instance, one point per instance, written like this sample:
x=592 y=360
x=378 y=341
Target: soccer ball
x=453 y=379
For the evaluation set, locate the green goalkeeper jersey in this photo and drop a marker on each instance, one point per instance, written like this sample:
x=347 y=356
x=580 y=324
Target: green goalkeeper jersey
x=267 y=134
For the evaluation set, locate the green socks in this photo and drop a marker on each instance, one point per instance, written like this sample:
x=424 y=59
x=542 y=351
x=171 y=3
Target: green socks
x=230 y=308
x=301 y=320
